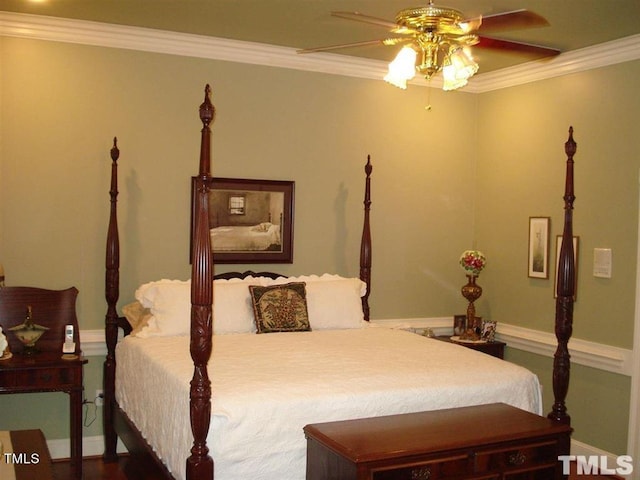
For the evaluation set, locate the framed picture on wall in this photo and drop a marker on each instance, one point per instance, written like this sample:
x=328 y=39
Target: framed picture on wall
x=539 y=247
x=250 y=221
x=576 y=241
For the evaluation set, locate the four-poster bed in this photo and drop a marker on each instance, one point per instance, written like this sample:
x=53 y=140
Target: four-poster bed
x=250 y=421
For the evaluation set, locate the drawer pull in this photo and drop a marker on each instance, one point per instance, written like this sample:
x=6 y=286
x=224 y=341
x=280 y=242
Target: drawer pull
x=422 y=473
x=46 y=377
x=517 y=458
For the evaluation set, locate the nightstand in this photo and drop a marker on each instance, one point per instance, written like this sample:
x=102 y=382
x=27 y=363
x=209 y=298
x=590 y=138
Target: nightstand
x=45 y=370
x=495 y=349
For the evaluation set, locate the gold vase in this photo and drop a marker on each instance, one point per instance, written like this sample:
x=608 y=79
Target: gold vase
x=472 y=292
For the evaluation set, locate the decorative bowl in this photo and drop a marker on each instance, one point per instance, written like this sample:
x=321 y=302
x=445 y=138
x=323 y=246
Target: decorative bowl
x=28 y=333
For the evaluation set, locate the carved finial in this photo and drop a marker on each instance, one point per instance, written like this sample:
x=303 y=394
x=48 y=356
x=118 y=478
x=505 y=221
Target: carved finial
x=115 y=153
x=207 y=110
x=570 y=146
x=368 y=168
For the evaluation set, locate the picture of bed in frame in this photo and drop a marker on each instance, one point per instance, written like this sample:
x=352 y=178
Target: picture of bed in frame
x=250 y=221
x=195 y=393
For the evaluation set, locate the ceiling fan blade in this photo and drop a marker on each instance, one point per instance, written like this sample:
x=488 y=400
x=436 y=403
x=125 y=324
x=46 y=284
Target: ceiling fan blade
x=384 y=41
x=515 y=20
x=537 y=51
x=361 y=17
x=471 y=24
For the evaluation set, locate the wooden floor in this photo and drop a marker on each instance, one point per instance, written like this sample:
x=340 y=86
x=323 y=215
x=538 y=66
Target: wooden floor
x=92 y=469
x=96 y=469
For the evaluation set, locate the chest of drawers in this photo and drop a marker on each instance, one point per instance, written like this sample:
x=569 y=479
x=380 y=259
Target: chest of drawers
x=487 y=442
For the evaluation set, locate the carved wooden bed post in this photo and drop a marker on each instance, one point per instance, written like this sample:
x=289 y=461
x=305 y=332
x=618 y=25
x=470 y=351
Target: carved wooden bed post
x=112 y=292
x=565 y=295
x=365 y=244
x=200 y=463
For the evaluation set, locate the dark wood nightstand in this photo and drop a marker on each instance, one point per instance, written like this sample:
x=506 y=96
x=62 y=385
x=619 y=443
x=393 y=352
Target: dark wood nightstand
x=495 y=349
x=46 y=370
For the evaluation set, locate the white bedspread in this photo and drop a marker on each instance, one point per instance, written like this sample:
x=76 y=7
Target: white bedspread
x=252 y=238
x=266 y=388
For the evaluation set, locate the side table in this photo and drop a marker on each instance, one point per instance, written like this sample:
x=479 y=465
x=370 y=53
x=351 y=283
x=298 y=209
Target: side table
x=45 y=370
x=495 y=348
x=48 y=372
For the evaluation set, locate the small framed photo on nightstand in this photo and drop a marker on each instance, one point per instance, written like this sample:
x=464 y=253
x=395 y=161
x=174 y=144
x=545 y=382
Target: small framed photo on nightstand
x=488 y=330
x=458 y=324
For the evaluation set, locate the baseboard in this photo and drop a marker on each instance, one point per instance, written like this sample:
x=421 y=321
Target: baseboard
x=91 y=447
x=580 y=449
x=94 y=447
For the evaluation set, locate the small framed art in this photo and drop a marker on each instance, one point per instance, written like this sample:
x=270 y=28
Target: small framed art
x=539 y=247
x=459 y=323
x=488 y=330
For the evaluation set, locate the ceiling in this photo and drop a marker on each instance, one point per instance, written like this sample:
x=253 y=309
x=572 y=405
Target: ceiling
x=574 y=24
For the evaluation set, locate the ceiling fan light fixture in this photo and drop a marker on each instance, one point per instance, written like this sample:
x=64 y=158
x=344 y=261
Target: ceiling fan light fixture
x=443 y=37
x=402 y=68
x=465 y=67
x=451 y=81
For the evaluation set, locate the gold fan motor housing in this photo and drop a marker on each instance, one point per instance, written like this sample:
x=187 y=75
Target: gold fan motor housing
x=430 y=18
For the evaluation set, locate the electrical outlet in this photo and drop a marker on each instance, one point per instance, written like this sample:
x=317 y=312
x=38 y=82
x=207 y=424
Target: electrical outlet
x=99 y=398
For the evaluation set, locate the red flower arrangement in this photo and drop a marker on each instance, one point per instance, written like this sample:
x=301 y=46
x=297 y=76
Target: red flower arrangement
x=473 y=261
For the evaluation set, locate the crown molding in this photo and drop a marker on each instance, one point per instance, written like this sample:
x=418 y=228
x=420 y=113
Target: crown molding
x=84 y=32
x=610 y=53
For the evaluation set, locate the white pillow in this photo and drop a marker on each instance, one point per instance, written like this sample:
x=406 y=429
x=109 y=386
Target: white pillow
x=232 y=306
x=170 y=304
x=333 y=302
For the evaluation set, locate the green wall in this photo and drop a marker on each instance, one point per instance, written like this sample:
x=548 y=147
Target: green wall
x=521 y=172
x=62 y=105
x=467 y=173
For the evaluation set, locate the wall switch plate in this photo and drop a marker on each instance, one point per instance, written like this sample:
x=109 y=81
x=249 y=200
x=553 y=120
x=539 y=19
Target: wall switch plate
x=602 y=262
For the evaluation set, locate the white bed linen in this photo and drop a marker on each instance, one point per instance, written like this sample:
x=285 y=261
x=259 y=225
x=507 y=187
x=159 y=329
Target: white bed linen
x=266 y=388
x=251 y=238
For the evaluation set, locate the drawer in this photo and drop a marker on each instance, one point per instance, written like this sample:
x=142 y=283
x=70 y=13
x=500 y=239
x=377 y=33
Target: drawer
x=522 y=457
x=548 y=473
x=40 y=378
x=453 y=467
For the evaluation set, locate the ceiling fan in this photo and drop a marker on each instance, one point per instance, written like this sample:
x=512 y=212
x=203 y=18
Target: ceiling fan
x=438 y=39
